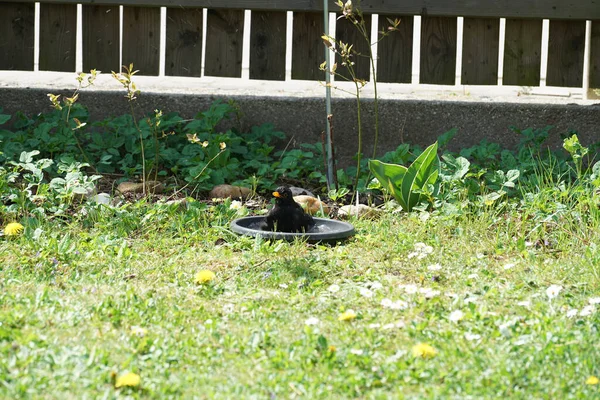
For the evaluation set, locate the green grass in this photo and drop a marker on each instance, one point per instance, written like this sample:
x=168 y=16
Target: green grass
x=71 y=293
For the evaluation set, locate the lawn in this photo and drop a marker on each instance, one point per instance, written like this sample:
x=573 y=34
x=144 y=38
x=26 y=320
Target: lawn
x=427 y=304
x=482 y=280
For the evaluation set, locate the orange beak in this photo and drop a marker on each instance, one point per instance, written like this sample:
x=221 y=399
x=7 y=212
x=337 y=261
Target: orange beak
x=276 y=194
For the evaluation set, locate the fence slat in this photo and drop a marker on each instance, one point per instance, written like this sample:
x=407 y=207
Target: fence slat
x=565 y=53
x=308 y=51
x=346 y=32
x=58 y=25
x=438 y=50
x=267 y=45
x=595 y=56
x=522 y=52
x=100 y=38
x=552 y=9
x=481 y=43
x=141 y=39
x=183 y=55
x=16 y=36
x=394 y=52
x=224 y=41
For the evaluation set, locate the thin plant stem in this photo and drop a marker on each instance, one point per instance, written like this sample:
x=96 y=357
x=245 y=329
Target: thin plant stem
x=142 y=148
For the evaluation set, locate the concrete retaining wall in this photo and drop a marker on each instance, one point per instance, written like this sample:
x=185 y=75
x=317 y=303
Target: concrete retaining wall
x=302 y=118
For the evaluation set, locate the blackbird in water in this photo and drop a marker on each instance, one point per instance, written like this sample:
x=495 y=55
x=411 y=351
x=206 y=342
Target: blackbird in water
x=287 y=215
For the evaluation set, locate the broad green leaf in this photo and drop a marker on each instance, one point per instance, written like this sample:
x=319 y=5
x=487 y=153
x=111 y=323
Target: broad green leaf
x=423 y=171
x=390 y=176
x=512 y=175
x=460 y=165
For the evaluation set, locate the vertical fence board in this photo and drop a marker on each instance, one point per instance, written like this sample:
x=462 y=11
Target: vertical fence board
x=438 y=50
x=595 y=56
x=183 y=54
x=267 y=45
x=346 y=32
x=394 y=52
x=522 y=52
x=481 y=43
x=58 y=26
x=224 y=37
x=16 y=36
x=141 y=39
x=565 y=53
x=100 y=37
x=308 y=51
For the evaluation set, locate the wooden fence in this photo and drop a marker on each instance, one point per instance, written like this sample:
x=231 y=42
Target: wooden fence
x=573 y=58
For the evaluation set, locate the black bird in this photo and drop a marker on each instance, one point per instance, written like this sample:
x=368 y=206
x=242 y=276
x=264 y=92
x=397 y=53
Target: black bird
x=287 y=215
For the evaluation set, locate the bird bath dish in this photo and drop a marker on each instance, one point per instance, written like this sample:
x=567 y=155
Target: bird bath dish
x=323 y=230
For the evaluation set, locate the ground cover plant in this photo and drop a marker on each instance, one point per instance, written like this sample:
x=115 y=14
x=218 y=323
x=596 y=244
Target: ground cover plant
x=488 y=287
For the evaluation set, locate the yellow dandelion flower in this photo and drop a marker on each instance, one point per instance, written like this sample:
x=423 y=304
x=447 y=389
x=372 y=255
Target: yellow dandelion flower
x=592 y=380
x=13 y=229
x=204 y=276
x=348 y=315
x=423 y=350
x=129 y=379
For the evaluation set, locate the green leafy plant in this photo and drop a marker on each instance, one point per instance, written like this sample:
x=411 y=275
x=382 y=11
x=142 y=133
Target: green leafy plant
x=577 y=152
x=413 y=185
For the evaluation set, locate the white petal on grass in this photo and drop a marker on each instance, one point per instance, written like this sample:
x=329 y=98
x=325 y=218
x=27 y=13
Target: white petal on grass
x=311 y=321
x=456 y=316
x=410 y=289
x=524 y=303
x=473 y=276
x=138 y=331
x=228 y=308
x=398 y=305
x=376 y=285
x=572 y=313
x=333 y=288
x=374 y=326
x=594 y=300
x=509 y=266
x=587 y=311
x=394 y=305
x=430 y=294
x=421 y=251
x=283 y=286
x=386 y=303
x=434 y=267
x=472 y=336
x=394 y=325
x=235 y=205
x=394 y=358
x=522 y=340
x=366 y=292
x=553 y=291
x=357 y=352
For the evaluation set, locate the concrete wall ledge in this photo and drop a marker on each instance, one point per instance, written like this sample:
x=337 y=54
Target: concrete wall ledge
x=408 y=113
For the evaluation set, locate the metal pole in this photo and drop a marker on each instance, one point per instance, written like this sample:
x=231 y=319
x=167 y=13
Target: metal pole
x=587 y=60
x=328 y=145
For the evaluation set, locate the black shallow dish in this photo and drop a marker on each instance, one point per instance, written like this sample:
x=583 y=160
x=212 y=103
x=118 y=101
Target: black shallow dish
x=324 y=230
